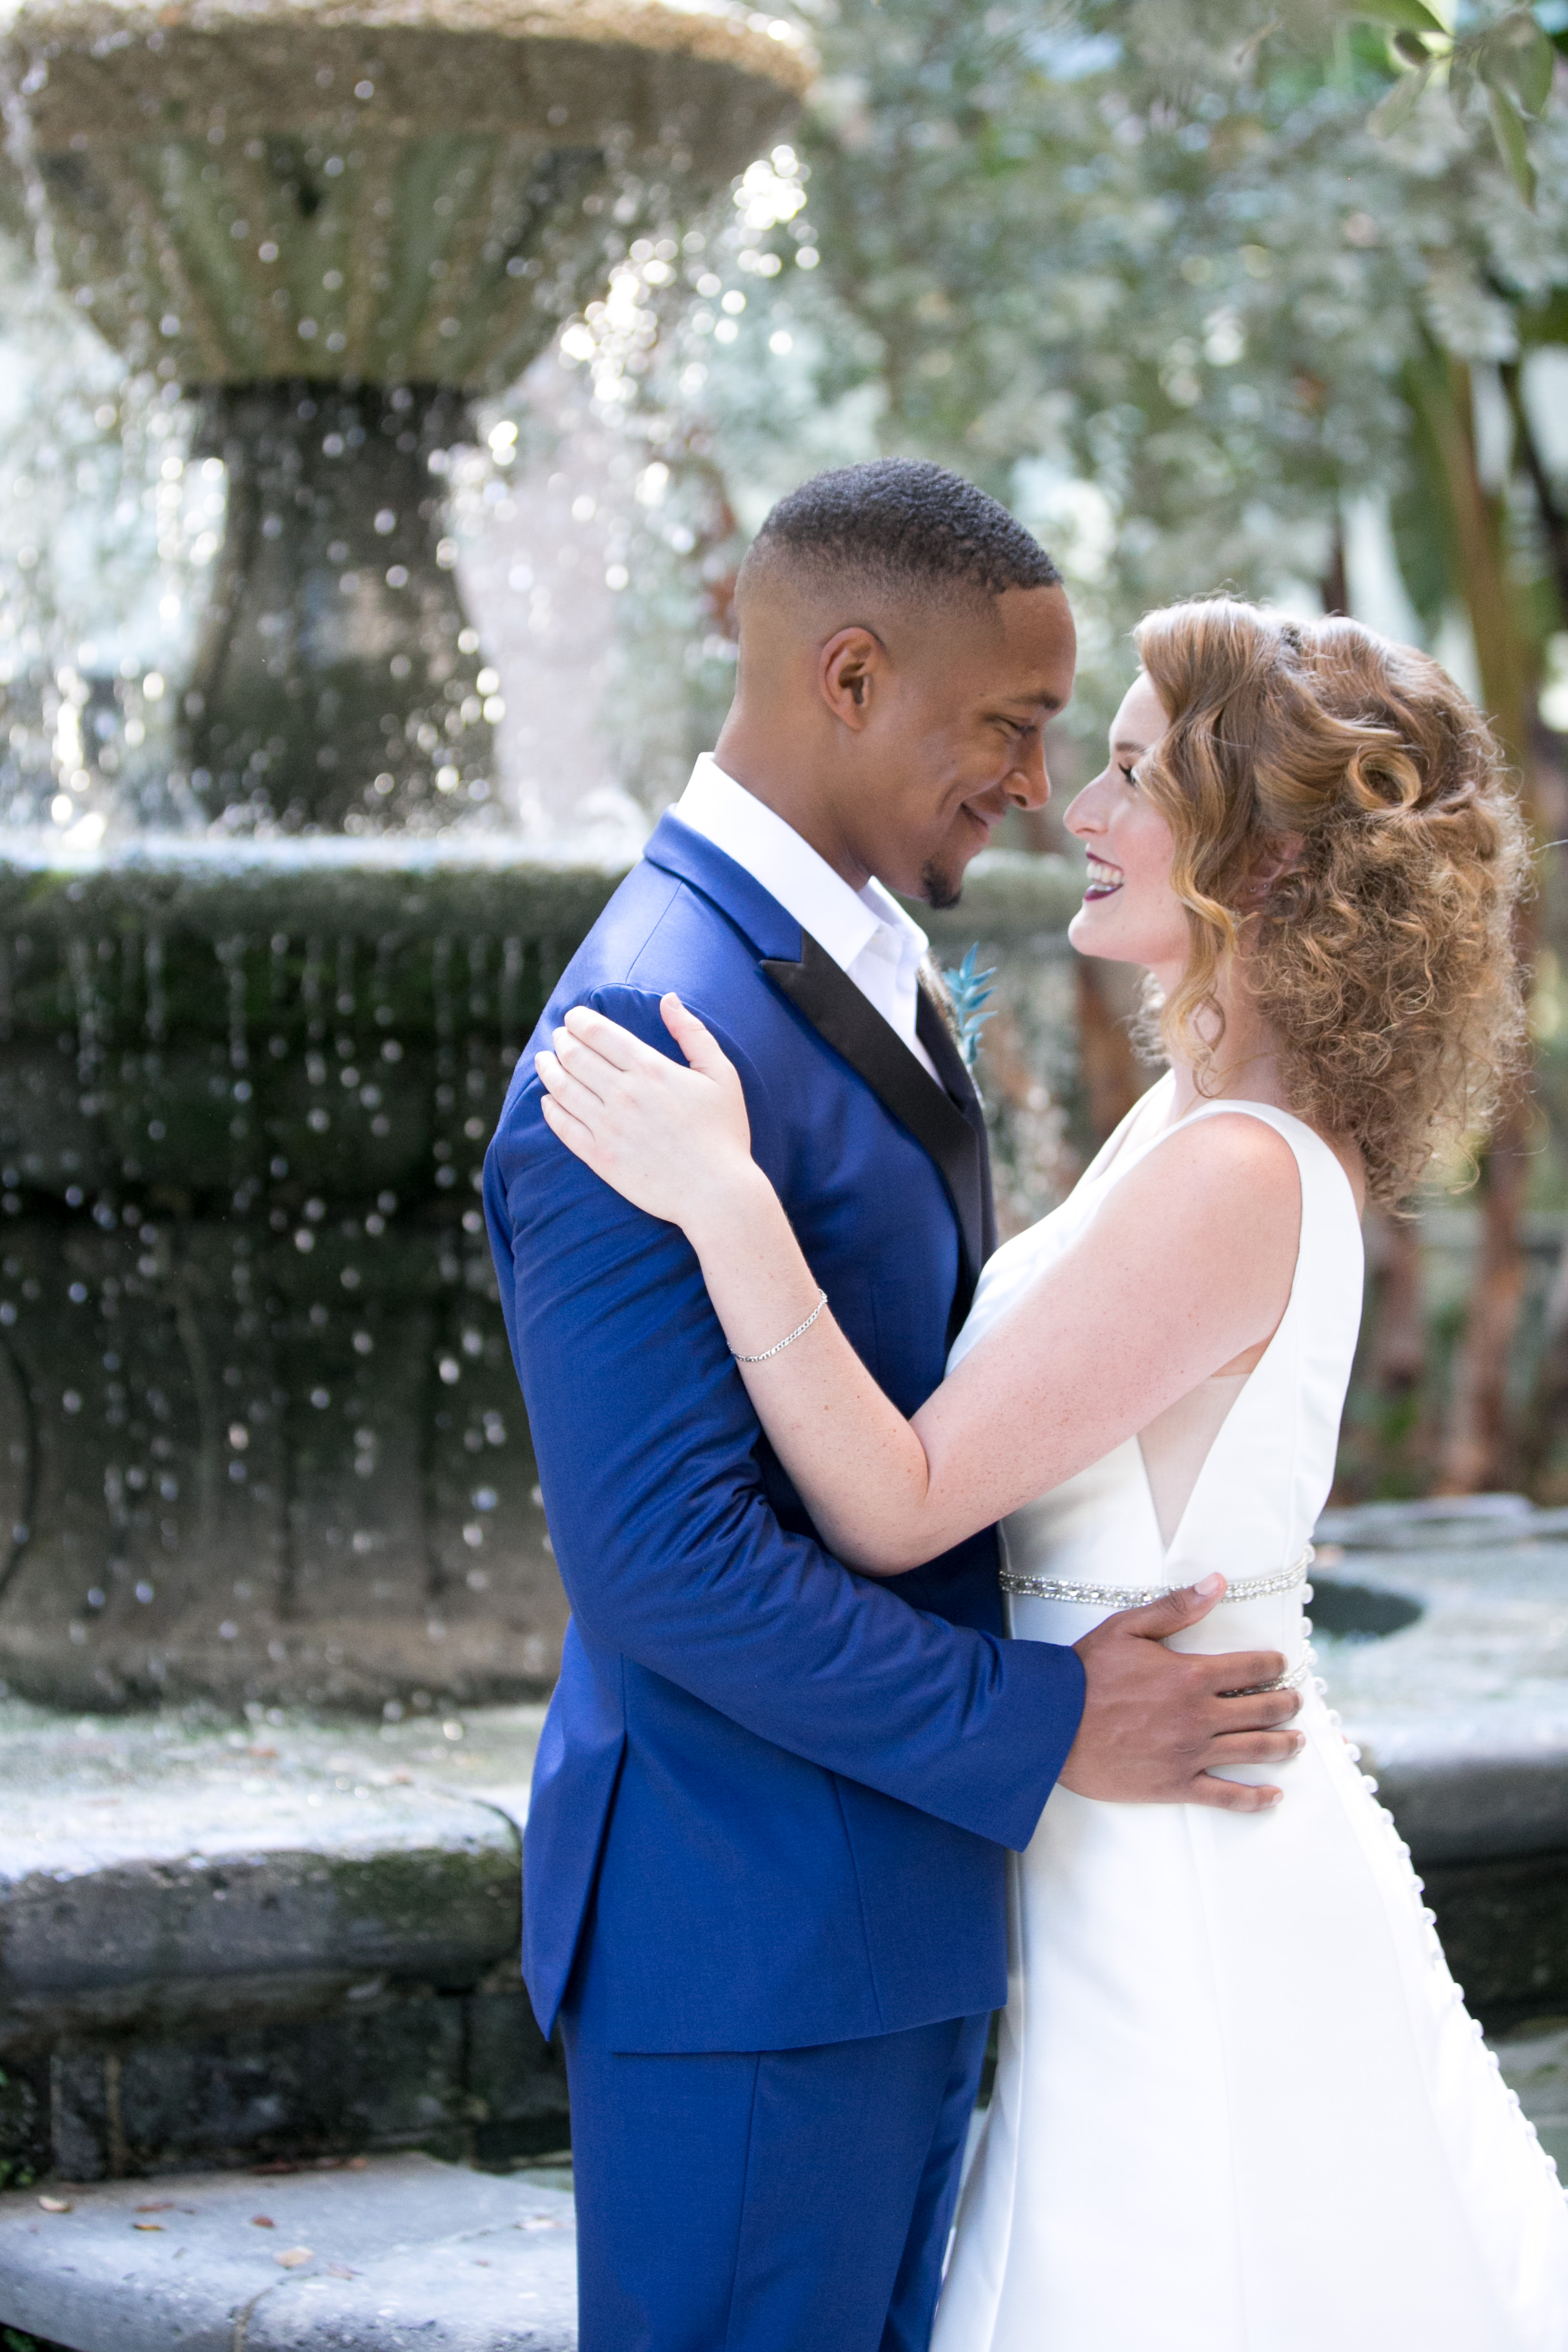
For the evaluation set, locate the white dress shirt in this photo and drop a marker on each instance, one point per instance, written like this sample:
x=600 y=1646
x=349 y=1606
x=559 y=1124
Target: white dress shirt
x=866 y=932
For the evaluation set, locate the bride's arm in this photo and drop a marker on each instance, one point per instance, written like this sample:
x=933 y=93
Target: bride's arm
x=1187 y=1264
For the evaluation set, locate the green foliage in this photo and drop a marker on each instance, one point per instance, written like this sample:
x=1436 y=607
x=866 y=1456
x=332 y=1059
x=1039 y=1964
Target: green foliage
x=1512 y=144
x=1510 y=56
x=1154 y=271
x=1410 y=16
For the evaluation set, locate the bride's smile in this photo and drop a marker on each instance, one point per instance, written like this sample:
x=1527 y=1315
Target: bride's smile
x=1130 y=913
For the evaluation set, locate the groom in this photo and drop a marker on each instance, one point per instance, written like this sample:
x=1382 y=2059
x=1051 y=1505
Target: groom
x=765 y=1863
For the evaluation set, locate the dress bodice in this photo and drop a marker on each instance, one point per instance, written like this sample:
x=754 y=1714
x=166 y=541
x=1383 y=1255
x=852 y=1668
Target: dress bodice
x=1093 y=1544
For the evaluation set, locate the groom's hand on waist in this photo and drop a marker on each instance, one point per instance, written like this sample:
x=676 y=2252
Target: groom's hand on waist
x=1158 y=1724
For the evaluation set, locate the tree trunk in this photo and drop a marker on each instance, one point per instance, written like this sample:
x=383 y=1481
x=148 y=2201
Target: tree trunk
x=1480 y=1450
x=1479 y=532
x=1334 y=587
x=1542 y=1470
x=1112 y=1073
x=1395 y=1366
x=1554 y=520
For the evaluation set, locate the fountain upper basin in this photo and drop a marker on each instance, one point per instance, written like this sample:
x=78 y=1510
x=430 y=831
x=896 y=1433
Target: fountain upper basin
x=377 y=194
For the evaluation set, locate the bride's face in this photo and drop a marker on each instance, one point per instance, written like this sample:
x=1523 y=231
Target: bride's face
x=1130 y=913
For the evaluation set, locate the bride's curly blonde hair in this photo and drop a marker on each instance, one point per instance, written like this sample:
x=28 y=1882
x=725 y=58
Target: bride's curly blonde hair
x=1341 y=818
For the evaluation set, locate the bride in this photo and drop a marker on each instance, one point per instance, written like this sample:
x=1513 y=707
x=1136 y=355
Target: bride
x=1239 y=2105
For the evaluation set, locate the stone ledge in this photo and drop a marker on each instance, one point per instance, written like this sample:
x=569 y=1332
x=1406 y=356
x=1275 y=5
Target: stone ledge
x=210 y=1899
x=402 y=2252
x=1461 y=1711
x=296 y=1939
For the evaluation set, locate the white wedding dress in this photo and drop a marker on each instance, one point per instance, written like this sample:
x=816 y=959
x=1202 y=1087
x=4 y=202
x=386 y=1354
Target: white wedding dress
x=1239 y=2105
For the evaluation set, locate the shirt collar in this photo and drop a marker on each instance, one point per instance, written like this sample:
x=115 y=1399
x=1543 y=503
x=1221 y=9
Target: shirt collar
x=839 y=920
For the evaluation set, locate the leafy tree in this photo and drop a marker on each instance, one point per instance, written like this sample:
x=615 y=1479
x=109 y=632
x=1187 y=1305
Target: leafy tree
x=1178 y=279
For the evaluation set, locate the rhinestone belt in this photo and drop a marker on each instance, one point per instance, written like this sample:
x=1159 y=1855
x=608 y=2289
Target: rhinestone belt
x=1139 y=1596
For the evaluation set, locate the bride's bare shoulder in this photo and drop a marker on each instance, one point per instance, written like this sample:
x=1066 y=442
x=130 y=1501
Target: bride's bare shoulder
x=1226 y=1176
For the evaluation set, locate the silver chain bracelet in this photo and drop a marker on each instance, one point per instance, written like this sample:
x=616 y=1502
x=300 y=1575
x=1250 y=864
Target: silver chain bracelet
x=779 y=1350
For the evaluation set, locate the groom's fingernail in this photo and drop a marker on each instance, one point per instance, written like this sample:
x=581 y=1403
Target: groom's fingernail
x=1208 y=1586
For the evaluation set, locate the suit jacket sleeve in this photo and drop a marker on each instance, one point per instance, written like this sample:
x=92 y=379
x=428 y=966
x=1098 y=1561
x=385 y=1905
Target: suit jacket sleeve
x=668 y=1550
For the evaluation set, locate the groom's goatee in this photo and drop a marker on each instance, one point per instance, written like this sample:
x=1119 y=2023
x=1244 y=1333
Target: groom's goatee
x=938 y=889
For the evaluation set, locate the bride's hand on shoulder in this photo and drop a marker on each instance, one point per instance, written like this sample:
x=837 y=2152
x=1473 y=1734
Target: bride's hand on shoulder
x=672 y=1139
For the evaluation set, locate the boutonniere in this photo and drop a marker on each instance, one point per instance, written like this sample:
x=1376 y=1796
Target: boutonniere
x=968 y=993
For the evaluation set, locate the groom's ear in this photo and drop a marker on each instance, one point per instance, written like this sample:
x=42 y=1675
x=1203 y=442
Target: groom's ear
x=853 y=665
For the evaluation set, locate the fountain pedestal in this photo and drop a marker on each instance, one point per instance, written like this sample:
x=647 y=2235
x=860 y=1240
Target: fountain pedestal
x=335 y=679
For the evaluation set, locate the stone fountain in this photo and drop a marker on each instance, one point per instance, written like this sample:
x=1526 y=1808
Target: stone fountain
x=258 y=1437
x=335 y=224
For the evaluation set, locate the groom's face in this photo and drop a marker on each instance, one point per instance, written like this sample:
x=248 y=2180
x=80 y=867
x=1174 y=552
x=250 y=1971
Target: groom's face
x=950 y=734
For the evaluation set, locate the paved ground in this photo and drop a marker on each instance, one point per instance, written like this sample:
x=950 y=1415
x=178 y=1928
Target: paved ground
x=386 y=2255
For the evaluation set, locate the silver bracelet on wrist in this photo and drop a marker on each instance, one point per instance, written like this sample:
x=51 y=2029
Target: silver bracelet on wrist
x=821 y=1302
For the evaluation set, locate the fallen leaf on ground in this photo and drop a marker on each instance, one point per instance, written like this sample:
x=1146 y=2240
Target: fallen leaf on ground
x=56 y=2204
x=262 y=2221
x=162 y=2205
x=293 y=2257
x=147 y=2225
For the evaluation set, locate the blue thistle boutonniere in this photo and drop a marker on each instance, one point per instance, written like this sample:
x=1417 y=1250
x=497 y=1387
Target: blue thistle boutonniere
x=969 y=991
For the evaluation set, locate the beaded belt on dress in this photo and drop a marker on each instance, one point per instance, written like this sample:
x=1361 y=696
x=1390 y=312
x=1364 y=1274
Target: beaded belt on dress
x=1139 y=1596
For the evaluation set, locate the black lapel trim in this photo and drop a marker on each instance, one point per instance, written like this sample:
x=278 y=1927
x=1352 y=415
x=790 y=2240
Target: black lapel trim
x=953 y=1070
x=851 y=1023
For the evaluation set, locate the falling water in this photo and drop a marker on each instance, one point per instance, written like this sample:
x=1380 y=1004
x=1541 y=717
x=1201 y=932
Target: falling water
x=259 y=1432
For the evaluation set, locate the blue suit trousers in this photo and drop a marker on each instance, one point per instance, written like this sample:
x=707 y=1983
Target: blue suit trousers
x=772 y=2200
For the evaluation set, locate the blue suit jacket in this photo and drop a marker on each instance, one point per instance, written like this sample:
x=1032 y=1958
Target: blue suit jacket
x=771 y=1797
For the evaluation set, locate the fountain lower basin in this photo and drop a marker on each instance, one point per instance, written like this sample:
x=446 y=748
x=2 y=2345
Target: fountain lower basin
x=240 y=1938
x=260 y=1435
x=1461 y=1714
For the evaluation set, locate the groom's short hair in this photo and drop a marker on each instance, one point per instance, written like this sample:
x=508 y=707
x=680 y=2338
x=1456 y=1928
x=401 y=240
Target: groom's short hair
x=908 y=526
